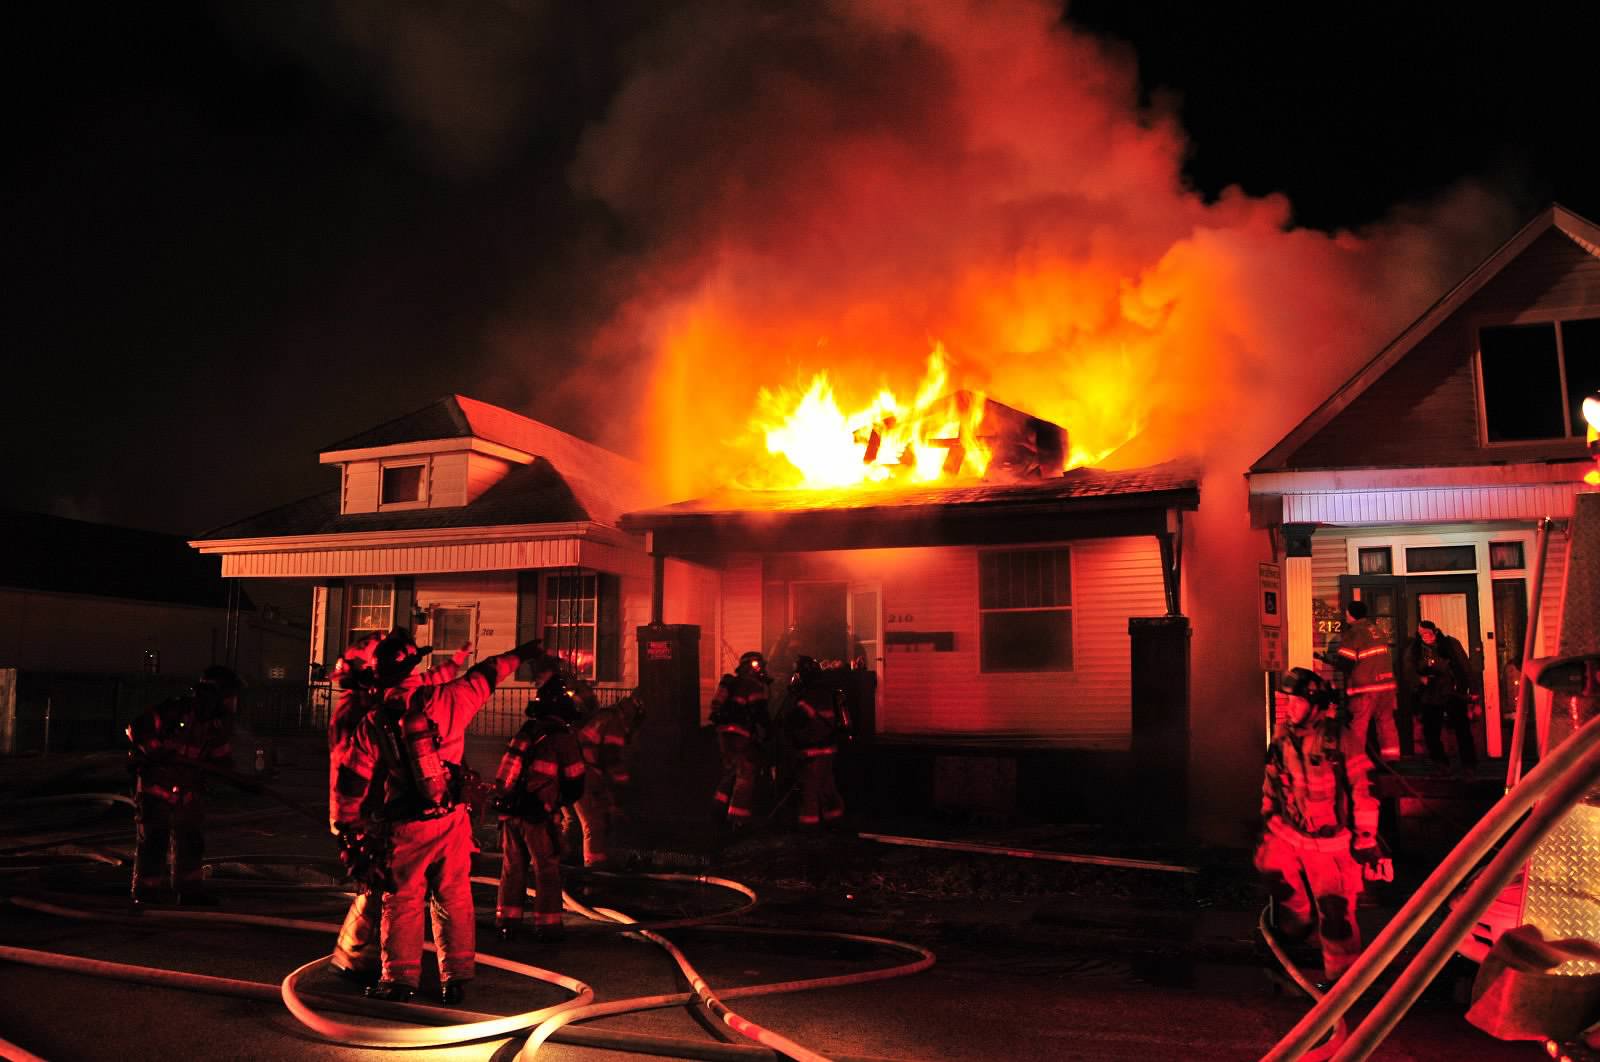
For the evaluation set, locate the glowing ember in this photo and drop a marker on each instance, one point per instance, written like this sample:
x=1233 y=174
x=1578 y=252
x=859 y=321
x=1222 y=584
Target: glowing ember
x=1591 y=413
x=935 y=436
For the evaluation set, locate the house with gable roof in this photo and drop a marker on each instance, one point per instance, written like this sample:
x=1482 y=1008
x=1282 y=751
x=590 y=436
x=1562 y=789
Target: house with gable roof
x=1418 y=486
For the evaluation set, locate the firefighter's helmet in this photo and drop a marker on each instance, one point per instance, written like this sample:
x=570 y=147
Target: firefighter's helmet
x=1300 y=682
x=396 y=656
x=753 y=664
x=806 y=671
x=555 y=699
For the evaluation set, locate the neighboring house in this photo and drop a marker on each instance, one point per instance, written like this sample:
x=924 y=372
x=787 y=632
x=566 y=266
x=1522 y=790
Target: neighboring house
x=96 y=621
x=1417 y=486
x=996 y=617
x=470 y=524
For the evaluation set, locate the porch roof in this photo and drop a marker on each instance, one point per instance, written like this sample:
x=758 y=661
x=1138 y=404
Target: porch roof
x=1083 y=503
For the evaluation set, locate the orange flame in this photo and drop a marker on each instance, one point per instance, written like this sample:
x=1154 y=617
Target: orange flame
x=935 y=436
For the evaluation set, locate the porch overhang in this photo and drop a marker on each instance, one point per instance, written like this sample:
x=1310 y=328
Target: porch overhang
x=1415 y=495
x=416 y=551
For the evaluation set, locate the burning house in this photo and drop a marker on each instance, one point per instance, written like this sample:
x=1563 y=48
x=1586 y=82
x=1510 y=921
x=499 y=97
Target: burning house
x=1418 y=485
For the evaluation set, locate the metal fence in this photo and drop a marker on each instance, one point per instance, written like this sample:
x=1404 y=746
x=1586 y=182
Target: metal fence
x=86 y=712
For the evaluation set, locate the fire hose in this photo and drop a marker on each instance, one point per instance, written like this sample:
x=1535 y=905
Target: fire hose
x=1559 y=782
x=549 y=1022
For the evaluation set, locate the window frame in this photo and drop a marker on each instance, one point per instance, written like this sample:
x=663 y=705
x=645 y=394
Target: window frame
x=1070 y=608
x=1574 y=432
x=425 y=463
x=549 y=602
x=350 y=629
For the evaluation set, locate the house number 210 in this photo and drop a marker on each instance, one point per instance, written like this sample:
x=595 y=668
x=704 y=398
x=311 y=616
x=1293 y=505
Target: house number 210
x=899 y=617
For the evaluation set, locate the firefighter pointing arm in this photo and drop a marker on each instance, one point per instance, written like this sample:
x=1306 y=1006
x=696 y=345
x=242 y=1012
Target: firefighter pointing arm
x=1321 y=820
x=411 y=744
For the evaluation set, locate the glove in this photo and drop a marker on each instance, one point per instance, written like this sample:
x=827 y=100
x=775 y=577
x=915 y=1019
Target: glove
x=1375 y=866
x=362 y=861
x=503 y=803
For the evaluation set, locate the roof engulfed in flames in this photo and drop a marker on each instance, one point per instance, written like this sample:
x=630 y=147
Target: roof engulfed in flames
x=939 y=436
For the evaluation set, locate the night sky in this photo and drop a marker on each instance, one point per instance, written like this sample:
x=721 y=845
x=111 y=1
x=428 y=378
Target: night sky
x=241 y=232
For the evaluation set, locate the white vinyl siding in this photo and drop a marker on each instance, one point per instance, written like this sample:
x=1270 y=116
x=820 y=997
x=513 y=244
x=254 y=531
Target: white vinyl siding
x=741 y=610
x=447 y=480
x=360 y=487
x=483 y=472
x=944 y=694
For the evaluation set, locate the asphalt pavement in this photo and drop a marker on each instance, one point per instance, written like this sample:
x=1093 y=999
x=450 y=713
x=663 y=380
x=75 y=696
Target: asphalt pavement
x=1035 y=959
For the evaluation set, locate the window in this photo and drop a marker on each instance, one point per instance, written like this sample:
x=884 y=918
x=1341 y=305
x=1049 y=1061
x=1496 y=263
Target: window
x=570 y=608
x=1535 y=377
x=371 y=609
x=1378 y=560
x=402 y=484
x=1441 y=559
x=1505 y=556
x=1025 y=610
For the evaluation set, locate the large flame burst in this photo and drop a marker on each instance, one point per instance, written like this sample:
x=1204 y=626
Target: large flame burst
x=887 y=441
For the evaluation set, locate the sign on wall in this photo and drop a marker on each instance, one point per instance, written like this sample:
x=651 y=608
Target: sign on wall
x=1272 y=653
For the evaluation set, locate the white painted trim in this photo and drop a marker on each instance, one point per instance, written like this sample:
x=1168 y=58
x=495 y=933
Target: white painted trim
x=1421 y=477
x=457 y=444
x=424 y=485
x=1459 y=505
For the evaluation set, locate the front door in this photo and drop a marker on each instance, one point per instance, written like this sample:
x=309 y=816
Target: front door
x=819 y=614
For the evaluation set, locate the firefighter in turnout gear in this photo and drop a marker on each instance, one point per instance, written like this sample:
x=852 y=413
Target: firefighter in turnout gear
x=409 y=747
x=356 y=952
x=540 y=774
x=816 y=723
x=1369 y=683
x=174 y=746
x=1320 y=839
x=739 y=712
x=603 y=739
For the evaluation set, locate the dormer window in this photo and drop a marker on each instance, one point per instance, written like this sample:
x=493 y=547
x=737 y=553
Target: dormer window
x=403 y=485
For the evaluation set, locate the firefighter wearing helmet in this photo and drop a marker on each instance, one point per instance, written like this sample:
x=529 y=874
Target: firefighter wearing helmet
x=1369 y=685
x=1320 y=838
x=603 y=740
x=739 y=712
x=175 y=746
x=816 y=721
x=540 y=774
x=355 y=953
x=408 y=748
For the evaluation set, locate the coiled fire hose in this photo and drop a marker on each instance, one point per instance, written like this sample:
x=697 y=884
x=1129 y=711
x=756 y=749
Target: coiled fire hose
x=550 y=1022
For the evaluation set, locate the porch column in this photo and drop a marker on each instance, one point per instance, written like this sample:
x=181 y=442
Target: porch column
x=1297 y=593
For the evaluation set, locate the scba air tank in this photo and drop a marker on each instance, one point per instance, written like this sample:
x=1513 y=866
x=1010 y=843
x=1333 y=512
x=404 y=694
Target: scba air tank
x=422 y=749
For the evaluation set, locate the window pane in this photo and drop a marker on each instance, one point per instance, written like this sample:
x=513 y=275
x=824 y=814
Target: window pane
x=1441 y=559
x=988 y=580
x=1521 y=382
x=1026 y=641
x=402 y=484
x=1580 y=340
x=1505 y=555
x=1032 y=578
x=1377 y=561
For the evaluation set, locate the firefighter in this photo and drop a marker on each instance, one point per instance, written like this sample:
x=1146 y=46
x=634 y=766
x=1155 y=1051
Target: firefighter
x=175 y=746
x=603 y=739
x=1443 y=681
x=1320 y=839
x=356 y=951
x=739 y=712
x=541 y=772
x=1369 y=683
x=816 y=723
x=410 y=744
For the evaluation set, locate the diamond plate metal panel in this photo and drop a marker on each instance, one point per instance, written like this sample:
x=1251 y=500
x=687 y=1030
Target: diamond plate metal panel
x=1563 y=890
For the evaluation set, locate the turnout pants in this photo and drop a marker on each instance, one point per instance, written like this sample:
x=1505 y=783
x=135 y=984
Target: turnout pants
x=1374 y=708
x=535 y=845
x=160 y=825
x=819 y=795
x=597 y=810
x=358 y=948
x=737 y=789
x=430 y=856
x=1313 y=889
x=1454 y=712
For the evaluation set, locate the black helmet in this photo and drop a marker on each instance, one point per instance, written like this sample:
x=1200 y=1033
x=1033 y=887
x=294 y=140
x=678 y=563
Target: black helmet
x=753 y=663
x=554 y=699
x=397 y=655
x=806 y=671
x=1300 y=682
